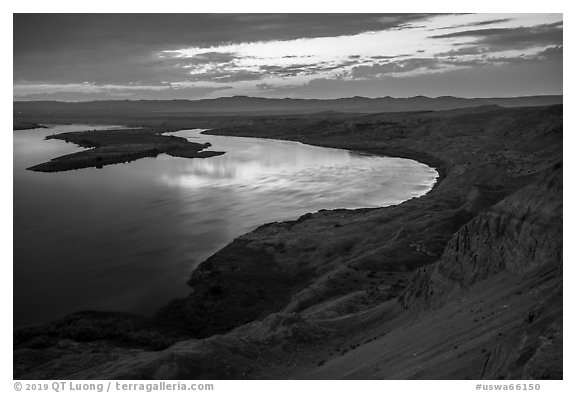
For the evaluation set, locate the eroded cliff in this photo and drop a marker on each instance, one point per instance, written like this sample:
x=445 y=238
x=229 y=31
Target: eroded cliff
x=464 y=282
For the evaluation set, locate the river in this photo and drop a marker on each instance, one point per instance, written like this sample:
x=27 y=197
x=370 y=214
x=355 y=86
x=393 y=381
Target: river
x=126 y=237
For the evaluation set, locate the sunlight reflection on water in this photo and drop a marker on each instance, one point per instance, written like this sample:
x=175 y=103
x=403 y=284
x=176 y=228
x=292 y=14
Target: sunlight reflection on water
x=126 y=237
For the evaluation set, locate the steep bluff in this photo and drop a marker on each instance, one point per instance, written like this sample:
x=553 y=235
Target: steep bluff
x=332 y=262
x=464 y=282
x=521 y=233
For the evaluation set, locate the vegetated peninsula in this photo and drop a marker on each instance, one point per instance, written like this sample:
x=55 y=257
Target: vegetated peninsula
x=119 y=146
x=462 y=283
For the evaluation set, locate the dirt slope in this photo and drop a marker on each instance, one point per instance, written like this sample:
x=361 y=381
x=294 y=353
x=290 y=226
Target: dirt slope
x=464 y=282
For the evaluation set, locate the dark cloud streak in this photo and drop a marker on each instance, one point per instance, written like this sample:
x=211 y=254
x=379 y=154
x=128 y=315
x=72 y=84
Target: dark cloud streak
x=475 y=24
x=512 y=38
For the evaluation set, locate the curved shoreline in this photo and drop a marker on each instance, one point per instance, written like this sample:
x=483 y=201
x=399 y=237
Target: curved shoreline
x=309 y=292
x=439 y=165
x=427 y=178
x=422 y=158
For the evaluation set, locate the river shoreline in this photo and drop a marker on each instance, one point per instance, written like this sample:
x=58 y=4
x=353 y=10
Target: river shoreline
x=311 y=178
x=303 y=291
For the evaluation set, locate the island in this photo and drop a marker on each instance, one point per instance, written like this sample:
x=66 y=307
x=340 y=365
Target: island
x=464 y=282
x=107 y=147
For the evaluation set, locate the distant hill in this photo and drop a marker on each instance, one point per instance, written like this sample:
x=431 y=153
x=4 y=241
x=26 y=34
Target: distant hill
x=256 y=105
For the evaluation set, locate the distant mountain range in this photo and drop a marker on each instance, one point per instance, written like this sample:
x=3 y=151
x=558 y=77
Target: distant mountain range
x=256 y=105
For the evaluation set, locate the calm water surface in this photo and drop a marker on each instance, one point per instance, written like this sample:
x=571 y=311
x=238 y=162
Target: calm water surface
x=126 y=237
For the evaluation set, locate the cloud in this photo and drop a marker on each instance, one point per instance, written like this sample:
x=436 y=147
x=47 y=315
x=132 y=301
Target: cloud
x=380 y=57
x=124 y=48
x=505 y=80
x=555 y=53
x=396 y=67
x=462 y=51
x=159 y=55
x=265 y=86
x=475 y=24
x=49 y=33
x=226 y=76
x=211 y=57
x=287 y=71
x=511 y=38
x=450 y=60
x=306 y=69
x=551 y=55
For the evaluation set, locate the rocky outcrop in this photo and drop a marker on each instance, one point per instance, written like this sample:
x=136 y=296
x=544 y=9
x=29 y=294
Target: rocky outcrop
x=464 y=282
x=521 y=233
x=519 y=237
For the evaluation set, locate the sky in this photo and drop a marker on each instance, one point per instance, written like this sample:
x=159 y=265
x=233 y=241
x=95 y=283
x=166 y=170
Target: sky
x=82 y=57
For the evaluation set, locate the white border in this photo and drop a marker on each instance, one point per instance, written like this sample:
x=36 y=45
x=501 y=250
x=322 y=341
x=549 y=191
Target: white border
x=230 y=6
